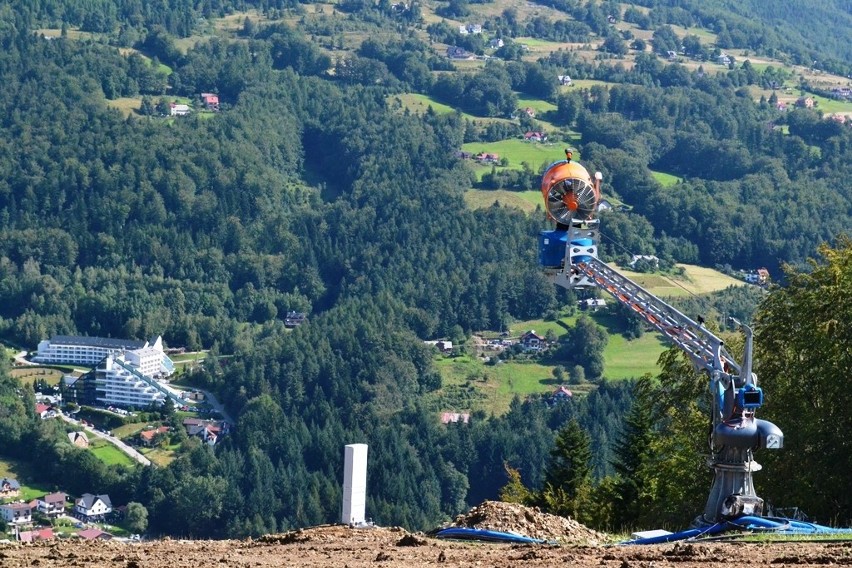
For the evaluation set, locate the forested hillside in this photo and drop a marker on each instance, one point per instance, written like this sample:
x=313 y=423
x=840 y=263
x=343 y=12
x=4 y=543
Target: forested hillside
x=308 y=192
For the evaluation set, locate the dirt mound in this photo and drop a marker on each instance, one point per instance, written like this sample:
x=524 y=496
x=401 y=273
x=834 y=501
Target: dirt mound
x=528 y=521
x=323 y=534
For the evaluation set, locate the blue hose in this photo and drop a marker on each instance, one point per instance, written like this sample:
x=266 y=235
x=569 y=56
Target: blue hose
x=776 y=525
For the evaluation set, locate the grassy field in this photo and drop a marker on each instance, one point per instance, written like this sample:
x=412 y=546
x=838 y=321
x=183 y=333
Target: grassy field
x=527 y=201
x=108 y=453
x=72 y=33
x=517 y=152
x=127 y=105
x=419 y=104
x=29 y=374
x=696 y=280
x=161 y=456
x=160 y=66
x=536 y=104
x=128 y=430
x=23 y=473
x=666 y=180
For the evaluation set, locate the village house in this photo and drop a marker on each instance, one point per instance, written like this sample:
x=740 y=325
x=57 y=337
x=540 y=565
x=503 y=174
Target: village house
x=530 y=112
x=488 y=158
x=9 y=487
x=564 y=80
x=146 y=437
x=805 y=102
x=32 y=536
x=92 y=507
x=294 y=319
x=176 y=109
x=465 y=29
x=211 y=101
x=759 y=277
x=455 y=52
x=535 y=136
x=649 y=258
x=94 y=534
x=51 y=504
x=16 y=513
x=79 y=439
x=208 y=430
x=561 y=395
x=531 y=341
x=592 y=304
x=455 y=417
x=496 y=43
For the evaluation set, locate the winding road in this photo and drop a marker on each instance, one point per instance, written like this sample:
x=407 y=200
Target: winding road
x=111 y=439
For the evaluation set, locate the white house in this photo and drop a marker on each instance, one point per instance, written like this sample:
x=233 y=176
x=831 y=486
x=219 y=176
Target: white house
x=496 y=43
x=51 y=504
x=649 y=258
x=16 y=513
x=177 y=109
x=93 y=506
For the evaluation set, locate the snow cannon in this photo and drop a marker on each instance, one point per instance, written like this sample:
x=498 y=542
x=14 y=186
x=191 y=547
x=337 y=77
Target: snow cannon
x=569 y=191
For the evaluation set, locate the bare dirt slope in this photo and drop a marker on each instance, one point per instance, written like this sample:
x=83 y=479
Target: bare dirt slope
x=340 y=546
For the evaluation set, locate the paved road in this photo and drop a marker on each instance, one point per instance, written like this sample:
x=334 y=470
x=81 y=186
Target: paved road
x=111 y=439
x=216 y=405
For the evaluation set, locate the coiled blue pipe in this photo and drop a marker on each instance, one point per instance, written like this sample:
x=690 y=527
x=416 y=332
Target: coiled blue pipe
x=776 y=525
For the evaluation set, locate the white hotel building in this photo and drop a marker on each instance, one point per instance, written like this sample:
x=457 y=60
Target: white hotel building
x=125 y=372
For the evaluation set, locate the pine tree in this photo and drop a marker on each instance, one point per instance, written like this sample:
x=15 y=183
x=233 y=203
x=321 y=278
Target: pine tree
x=631 y=452
x=569 y=472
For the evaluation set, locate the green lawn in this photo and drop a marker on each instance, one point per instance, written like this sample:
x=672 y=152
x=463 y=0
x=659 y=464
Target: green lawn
x=526 y=201
x=624 y=359
x=188 y=357
x=666 y=180
x=108 y=453
x=419 y=104
x=536 y=104
x=517 y=151
x=162 y=67
x=128 y=430
x=830 y=105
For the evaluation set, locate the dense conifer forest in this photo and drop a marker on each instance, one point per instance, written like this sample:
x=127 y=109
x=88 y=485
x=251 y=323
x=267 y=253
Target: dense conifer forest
x=307 y=192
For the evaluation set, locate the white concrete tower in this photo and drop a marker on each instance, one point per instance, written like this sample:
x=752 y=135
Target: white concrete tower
x=354 y=484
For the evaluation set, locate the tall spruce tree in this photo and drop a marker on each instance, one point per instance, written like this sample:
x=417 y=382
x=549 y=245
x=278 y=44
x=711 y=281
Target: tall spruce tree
x=568 y=475
x=632 y=450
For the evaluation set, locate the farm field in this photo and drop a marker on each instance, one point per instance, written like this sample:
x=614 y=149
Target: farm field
x=518 y=152
x=696 y=280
